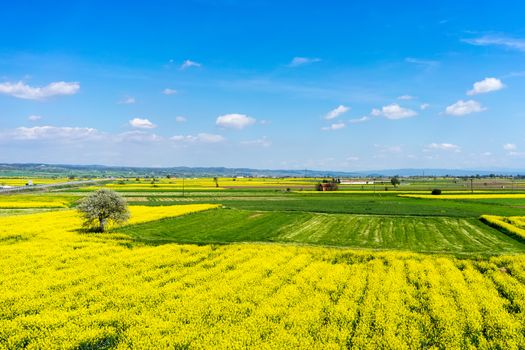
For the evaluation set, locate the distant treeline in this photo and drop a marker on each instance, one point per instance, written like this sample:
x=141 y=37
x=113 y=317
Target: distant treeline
x=88 y=171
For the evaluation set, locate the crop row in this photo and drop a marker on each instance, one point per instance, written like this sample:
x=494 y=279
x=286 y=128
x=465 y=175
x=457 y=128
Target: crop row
x=514 y=225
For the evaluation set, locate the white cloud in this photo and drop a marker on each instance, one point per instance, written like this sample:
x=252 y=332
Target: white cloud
x=168 y=91
x=50 y=133
x=127 y=101
x=24 y=91
x=301 y=61
x=335 y=126
x=138 y=136
x=486 y=154
x=210 y=138
x=235 y=121
x=180 y=119
x=263 y=142
x=509 y=147
x=486 y=85
x=73 y=134
x=352 y=159
x=82 y=136
x=406 y=97
x=199 y=138
x=360 y=120
x=424 y=106
x=140 y=123
x=394 y=112
x=497 y=40
x=444 y=147
x=461 y=108
x=375 y=112
x=334 y=113
x=188 y=64
x=34 y=118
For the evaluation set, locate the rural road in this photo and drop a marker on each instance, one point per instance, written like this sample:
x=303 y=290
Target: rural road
x=42 y=187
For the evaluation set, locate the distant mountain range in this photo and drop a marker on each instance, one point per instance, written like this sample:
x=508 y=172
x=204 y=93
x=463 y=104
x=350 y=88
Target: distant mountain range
x=101 y=170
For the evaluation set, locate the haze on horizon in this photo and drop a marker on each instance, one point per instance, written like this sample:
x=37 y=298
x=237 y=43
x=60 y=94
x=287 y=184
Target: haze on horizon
x=264 y=84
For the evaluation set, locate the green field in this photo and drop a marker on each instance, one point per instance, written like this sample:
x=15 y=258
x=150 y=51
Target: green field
x=419 y=234
x=388 y=204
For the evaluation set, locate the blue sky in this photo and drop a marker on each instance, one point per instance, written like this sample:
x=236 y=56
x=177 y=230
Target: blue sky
x=265 y=84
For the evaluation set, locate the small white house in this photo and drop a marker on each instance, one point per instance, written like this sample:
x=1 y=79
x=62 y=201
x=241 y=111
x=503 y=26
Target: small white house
x=349 y=182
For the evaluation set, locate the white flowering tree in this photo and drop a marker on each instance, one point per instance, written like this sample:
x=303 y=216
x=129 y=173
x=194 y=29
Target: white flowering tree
x=103 y=207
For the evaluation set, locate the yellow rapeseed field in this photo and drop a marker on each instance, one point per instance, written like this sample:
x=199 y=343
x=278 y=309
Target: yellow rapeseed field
x=207 y=183
x=18 y=181
x=154 y=187
x=35 y=201
x=62 y=288
x=36 y=204
x=511 y=224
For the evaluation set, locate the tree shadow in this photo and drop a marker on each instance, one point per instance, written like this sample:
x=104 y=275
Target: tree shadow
x=89 y=230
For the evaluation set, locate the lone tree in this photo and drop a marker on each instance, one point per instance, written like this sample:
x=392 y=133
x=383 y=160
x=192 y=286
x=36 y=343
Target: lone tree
x=395 y=181
x=102 y=207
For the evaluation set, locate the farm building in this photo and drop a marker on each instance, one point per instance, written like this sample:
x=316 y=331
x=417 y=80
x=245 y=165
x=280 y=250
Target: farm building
x=350 y=182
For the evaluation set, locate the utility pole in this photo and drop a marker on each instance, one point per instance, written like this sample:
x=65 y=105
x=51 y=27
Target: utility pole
x=471 y=185
x=183 y=185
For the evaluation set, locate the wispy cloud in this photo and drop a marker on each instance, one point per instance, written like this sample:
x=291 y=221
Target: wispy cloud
x=514 y=74
x=138 y=136
x=333 y=127
x=406 y=97
x=389 y=149
x=34 y=118
x=424 y=106
x=180 y=119
x=360 y=120
x=318 y=91
x=443 y=147
x=301 y=61
x=263 y=142
x=74 y=135
x=336 y=112
x=517 y=154
x=169 y=91
x=422 y=62
x=509 y=147
x=199 y=138
x=498 y=40
x=48 y=132
x=24 y=91
x=127 y=101
x=189 y=63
